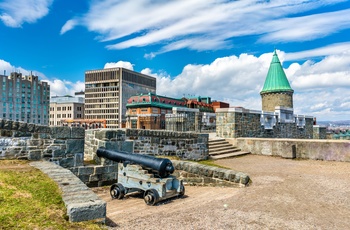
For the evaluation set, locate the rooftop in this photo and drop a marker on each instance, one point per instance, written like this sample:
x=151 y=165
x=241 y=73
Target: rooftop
x=276 y=80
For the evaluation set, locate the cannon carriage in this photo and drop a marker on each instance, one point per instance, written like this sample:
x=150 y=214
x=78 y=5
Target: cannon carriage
x=143 y=173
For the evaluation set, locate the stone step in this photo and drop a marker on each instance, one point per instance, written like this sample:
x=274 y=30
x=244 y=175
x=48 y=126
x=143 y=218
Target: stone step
x=218 y=147
x=218 y=143
x=230 y=150
x=229 y=155
x=213 y=141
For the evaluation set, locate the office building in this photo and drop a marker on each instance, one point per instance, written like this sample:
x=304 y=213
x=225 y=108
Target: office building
x=65 y=107
x=108 y=90
x=24 y=98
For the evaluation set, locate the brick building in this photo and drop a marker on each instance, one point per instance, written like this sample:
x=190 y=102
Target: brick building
x=150 y=111
x=147 y=111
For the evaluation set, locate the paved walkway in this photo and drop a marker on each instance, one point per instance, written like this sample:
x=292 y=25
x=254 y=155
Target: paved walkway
x=285 y=194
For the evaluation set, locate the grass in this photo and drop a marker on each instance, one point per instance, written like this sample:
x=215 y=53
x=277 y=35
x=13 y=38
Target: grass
x=29 y=199
x=203 y=162
x=211 y=163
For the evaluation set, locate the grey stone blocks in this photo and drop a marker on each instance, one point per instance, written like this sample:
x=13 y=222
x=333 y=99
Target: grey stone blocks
x=60 y=132
x=204 y=175
x=82 y=204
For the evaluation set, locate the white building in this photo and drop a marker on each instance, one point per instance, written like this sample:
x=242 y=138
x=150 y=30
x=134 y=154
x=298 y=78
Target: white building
x=65 y=107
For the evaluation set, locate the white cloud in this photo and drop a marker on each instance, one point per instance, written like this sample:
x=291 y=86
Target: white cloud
x=123 y=64
x=70 y=24
x=14 y=13
x=306 y=28
x=63 y=87
x=321 y=88
x=207 y=25
x=331 y=49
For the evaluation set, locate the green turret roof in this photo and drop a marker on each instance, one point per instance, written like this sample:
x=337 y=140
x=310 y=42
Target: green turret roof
x=276 y=80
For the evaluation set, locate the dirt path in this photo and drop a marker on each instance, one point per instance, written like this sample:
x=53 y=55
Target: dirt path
x=285 y=194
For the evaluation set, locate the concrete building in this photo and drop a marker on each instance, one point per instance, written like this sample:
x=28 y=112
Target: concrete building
x=24 y=98
x=65 y=107
x=108 y=90
x=276 y=90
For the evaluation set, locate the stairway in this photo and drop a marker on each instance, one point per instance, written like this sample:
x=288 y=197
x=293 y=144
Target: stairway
x=220 y=149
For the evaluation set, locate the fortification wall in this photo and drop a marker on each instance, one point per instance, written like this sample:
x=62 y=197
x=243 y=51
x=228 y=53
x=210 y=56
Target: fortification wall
x=239 y=122
x=185 y=145
x=65 y=147
x=61 y=145
x=328 y=150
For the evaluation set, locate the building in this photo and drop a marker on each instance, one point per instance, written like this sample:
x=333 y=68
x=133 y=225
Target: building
x=65 y=107
x=152 y=111
x=184 y=120
x=201 y=103
x=24 y=98
x=219 y=104
x=147 y=111
x=276 y=90
x=108 y=90
x=80 y=94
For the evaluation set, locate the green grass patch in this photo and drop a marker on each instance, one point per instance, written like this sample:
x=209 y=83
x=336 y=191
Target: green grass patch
x=204 y=162
x=29 y=199
x=211 y=163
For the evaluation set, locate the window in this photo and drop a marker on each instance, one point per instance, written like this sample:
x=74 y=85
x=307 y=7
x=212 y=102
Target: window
x=58 y=108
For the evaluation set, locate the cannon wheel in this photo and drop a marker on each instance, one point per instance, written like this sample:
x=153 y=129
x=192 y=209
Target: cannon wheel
x=151 y=197
x=117 y=191
x=182 y=191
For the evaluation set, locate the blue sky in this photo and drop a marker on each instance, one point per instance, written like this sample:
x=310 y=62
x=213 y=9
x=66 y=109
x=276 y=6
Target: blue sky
x=220 y=49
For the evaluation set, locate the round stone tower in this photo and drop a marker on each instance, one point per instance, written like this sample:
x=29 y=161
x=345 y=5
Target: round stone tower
x=276 y=90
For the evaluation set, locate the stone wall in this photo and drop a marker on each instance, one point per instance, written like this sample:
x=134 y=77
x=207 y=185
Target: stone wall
x=197 y=174
x=61 y=145
x=319 y=132
x=240 y=122
x=271 y=100
x=328 y=150
x=185 y=145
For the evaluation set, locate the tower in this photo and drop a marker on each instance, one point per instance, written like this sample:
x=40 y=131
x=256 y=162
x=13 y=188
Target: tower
x=276 y=90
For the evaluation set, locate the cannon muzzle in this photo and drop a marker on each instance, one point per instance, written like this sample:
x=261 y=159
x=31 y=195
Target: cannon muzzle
x=163 y=167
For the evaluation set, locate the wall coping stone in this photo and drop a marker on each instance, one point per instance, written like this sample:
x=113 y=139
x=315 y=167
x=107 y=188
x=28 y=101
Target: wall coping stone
x=292 y=140
x=82 y=204
x=221 y=176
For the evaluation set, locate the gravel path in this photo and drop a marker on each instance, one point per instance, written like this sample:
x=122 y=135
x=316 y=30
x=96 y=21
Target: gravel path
x=285 y=194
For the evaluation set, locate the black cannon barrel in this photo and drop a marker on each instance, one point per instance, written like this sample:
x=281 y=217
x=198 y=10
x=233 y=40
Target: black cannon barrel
x=162 y=166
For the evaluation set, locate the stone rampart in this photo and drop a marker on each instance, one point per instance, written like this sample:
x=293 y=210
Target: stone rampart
x=197 y=174
x=185 y=145
x=82 y=204
x=240 y=122
x=328 y=150
x=61 y=145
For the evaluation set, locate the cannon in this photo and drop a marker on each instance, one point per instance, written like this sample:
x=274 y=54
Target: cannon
x=143 y=173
